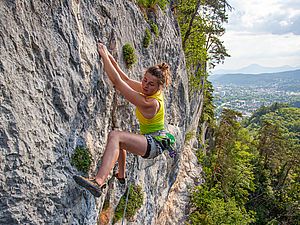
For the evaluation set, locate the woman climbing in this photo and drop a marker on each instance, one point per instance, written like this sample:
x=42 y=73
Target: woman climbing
x=147 y=96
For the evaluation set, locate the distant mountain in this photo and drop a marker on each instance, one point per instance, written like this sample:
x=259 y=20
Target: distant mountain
x=256 y=69
x=287 y=79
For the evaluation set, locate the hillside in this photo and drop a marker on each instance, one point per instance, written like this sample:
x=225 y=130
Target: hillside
x=287 y=79
x=247 y=92
x=254 y=69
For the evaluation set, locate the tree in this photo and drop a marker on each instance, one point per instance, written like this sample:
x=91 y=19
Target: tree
x=234 y=153
x=228 y=176
x=272 y=144
x=276 y=197
x=201 y=24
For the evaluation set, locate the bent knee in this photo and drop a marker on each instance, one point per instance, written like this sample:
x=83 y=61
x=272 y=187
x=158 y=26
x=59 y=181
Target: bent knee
x=119 y=136
x=113 y=134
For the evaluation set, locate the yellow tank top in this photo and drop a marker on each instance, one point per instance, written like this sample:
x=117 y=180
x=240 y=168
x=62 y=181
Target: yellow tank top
x=158 y=121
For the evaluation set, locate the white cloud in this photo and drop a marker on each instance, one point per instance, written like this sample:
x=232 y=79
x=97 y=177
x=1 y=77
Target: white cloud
x=264 y=49
x=274 y=16
x=263 y=32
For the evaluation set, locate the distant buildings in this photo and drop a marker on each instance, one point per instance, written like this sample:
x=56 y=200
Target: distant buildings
x=247 y=99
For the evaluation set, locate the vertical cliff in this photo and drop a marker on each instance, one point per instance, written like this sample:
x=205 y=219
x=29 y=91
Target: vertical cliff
x=54 y=96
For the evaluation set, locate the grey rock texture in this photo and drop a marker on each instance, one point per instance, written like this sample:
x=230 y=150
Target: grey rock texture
x=54 y=96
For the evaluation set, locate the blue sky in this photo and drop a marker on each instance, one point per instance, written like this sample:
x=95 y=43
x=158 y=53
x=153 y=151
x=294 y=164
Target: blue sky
x=264 y=32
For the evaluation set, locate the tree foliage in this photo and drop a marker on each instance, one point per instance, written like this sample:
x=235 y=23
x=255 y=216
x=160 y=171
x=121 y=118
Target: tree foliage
x=228 y=176
x=276 y=197
x=201 y=25
x=252 y=171
x=208 y=114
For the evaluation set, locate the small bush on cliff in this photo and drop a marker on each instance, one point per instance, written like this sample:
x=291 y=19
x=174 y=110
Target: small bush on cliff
x=129 y=55
x=152 y=3
x=189 y=136
x=81 y=159
x=135 y=202
x=154 y=28
x=147 y=38
x=162 y=4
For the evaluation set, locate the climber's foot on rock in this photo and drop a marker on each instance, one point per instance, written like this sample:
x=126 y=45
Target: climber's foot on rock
x=90 y=184
x=122 y=180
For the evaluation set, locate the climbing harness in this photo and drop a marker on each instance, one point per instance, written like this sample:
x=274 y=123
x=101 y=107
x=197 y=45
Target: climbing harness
x=166 y=142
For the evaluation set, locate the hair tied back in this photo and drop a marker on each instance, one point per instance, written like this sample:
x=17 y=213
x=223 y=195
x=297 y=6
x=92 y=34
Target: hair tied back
x=163 y=66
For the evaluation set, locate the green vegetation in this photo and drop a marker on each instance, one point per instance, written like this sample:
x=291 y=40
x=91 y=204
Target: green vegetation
x=162 y=4
x=228 y=176
x=201 y=26
x=152 y=3
x=251 y=169
x=208 y=114
x=154 y=28
x=252 y=173
x=256 y=118
x=147 y=38
x=135 y=202
x=81 y=159
x=277 y=164
x=189 y=136
x=129 y=55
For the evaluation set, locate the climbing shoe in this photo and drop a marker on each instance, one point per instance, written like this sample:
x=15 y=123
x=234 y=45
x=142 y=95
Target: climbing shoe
x=121 y=180
x=90 y=184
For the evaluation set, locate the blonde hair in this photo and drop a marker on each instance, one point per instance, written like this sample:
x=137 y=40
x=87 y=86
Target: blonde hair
x=162 y=72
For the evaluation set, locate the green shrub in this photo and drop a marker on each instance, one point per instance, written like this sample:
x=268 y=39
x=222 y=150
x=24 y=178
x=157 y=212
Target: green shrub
x=129 y=55
x=147 y=38
x=152 y=3
x=135 y=202
x=81 y=159
x=189 y=135
x=154 y=28
x=162 y=4
x=147 y=3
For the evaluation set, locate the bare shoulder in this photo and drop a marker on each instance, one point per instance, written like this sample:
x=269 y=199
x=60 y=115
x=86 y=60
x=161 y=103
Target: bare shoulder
x=152 y=102
x=150 y=108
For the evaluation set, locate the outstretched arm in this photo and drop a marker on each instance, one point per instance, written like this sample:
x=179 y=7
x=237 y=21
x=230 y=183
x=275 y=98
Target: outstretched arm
x=132 y=83
x=147 y=106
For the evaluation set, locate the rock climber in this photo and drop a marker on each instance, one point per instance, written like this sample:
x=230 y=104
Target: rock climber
x=153 y=139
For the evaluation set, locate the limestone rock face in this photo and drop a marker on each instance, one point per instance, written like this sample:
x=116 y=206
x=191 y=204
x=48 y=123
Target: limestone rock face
x=54 y=96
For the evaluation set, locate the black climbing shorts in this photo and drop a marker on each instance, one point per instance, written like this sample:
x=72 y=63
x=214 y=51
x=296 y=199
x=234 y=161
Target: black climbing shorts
x=153 y=147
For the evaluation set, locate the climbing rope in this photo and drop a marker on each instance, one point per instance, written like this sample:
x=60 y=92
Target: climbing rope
x=128 y=190
x=124 y=212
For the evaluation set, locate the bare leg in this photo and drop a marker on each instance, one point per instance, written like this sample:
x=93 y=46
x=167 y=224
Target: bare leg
x=134 y=143
x=122 y=163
